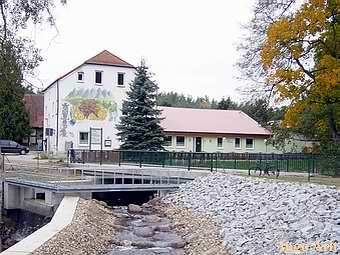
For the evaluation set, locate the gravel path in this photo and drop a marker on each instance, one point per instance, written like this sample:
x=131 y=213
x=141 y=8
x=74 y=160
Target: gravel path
x=258 y=216
x=90 y=233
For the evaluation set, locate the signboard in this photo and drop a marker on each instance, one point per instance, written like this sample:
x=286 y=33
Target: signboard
x=96 y=135
x=108 y=143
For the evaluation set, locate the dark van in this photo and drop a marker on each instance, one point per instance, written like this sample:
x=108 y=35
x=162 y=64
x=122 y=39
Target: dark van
x=9 y=146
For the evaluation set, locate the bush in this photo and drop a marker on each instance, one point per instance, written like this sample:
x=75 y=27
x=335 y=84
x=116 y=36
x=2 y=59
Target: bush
x=330 y=159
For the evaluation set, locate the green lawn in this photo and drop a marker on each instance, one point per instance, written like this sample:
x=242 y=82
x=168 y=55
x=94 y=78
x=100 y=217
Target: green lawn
x=320 y=179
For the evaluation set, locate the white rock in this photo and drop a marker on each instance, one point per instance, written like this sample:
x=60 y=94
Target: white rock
x=256 y=214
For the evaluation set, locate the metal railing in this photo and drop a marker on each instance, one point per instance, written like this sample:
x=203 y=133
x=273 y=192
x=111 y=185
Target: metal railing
x=64 y=178
x=288 y=162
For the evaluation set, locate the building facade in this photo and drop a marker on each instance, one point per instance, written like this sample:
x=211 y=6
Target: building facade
x=82 y=107
x=34 y=106
x=208 y=130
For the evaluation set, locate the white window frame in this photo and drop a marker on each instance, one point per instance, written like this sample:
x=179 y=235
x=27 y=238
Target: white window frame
x=252 y=148
x=88 y=138
x=180 y=146
x=217 y=144
x=95 y=76
x=238 y=148
x=82 y=80
x=121 y=85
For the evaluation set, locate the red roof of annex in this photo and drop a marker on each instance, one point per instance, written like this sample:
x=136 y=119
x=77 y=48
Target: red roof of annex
x=188 y=120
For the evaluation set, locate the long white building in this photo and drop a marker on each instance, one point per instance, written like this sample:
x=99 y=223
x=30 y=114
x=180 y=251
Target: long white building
x=82 y=107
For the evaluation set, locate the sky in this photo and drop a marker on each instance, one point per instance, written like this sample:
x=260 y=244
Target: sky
x=189 y=45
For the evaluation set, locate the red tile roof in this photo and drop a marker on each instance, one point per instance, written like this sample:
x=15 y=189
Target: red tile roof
x=103 y=58
x=187 y=120
x=107 y=58
x=34 y=105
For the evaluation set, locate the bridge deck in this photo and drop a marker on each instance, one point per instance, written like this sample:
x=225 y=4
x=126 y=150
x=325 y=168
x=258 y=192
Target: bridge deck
x=68 y=180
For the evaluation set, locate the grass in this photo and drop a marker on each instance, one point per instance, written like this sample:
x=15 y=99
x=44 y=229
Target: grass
x=319 y=179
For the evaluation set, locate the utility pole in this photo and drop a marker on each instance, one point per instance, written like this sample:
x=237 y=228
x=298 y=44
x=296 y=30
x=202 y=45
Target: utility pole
x=2 y=196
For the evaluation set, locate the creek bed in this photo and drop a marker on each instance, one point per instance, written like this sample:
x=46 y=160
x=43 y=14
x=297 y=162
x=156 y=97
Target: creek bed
x=145 y=231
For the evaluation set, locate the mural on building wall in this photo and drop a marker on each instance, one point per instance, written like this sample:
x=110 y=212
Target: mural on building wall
x=91 y=104
x=64 y=115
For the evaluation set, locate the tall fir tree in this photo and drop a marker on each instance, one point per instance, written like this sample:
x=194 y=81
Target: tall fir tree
x=14 y=122
x=139 y=127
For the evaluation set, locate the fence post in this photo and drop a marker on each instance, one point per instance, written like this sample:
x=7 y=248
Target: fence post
x=211 y=162
x=101 y=157
x=189 y=161
x=140 y=159
x=313 y=163
x=216 y=161
x=163 y=161
x=119 y=158
x=38 y=159
x=83 y=152
x=309 y=170
x=68 y=158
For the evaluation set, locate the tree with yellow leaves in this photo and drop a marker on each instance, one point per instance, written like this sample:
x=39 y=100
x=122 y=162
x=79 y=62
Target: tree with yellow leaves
x=299 y=59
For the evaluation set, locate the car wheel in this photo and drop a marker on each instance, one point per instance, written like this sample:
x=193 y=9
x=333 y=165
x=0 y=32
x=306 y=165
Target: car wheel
x=22 y=152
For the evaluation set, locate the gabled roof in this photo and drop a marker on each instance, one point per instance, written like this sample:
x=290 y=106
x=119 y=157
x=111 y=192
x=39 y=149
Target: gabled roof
x=188 y=120
x=103 y=58
x=107 y=58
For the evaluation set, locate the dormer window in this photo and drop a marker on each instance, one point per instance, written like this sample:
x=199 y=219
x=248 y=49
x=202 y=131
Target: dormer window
x=98 y=77
x=80 y=76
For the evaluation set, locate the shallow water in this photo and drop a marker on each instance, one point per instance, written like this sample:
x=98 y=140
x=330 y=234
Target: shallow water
x=146 y=233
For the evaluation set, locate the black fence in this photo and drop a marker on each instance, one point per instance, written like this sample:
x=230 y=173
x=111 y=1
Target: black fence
x=287 y=162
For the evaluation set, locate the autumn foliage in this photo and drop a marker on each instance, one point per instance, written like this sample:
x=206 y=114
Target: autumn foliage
x=301 y=61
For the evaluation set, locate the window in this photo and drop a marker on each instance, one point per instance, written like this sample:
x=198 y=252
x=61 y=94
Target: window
x=13 y=144
x=80 y=76
x=180 y=140
x=238 y=143
x=168 y=140
x=249 y=143
x=84 y=138
x=120 y=80
x=99 y=77
x=219 y=142
x=40 y=195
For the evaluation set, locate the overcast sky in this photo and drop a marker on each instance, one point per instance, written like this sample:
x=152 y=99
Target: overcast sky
x=190 y=45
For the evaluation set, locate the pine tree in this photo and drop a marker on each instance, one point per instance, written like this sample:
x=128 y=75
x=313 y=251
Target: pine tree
x=139 y=127
x=14 y=122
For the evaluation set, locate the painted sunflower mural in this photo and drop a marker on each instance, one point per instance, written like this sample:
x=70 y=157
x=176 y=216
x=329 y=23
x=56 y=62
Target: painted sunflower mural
x=91 y=104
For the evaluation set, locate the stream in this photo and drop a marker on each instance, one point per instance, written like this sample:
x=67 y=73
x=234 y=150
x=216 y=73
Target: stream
x=143 y=231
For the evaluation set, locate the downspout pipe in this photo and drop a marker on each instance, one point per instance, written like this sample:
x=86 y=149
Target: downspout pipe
x=57 y=134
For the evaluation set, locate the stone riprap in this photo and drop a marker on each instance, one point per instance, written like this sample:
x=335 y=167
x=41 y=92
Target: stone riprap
x=258 y=216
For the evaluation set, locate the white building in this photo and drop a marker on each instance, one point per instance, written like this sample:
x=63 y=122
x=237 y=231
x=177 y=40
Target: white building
x=82 y=107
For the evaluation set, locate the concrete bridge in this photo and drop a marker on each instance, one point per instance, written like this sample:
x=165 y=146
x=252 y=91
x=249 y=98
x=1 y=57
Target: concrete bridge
x=40 y=190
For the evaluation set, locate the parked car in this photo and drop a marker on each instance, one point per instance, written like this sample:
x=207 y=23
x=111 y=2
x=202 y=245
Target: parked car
x=9 y=146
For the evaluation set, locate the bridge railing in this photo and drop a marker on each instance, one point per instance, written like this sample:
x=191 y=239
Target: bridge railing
x=80 y=178
x=286 y=162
